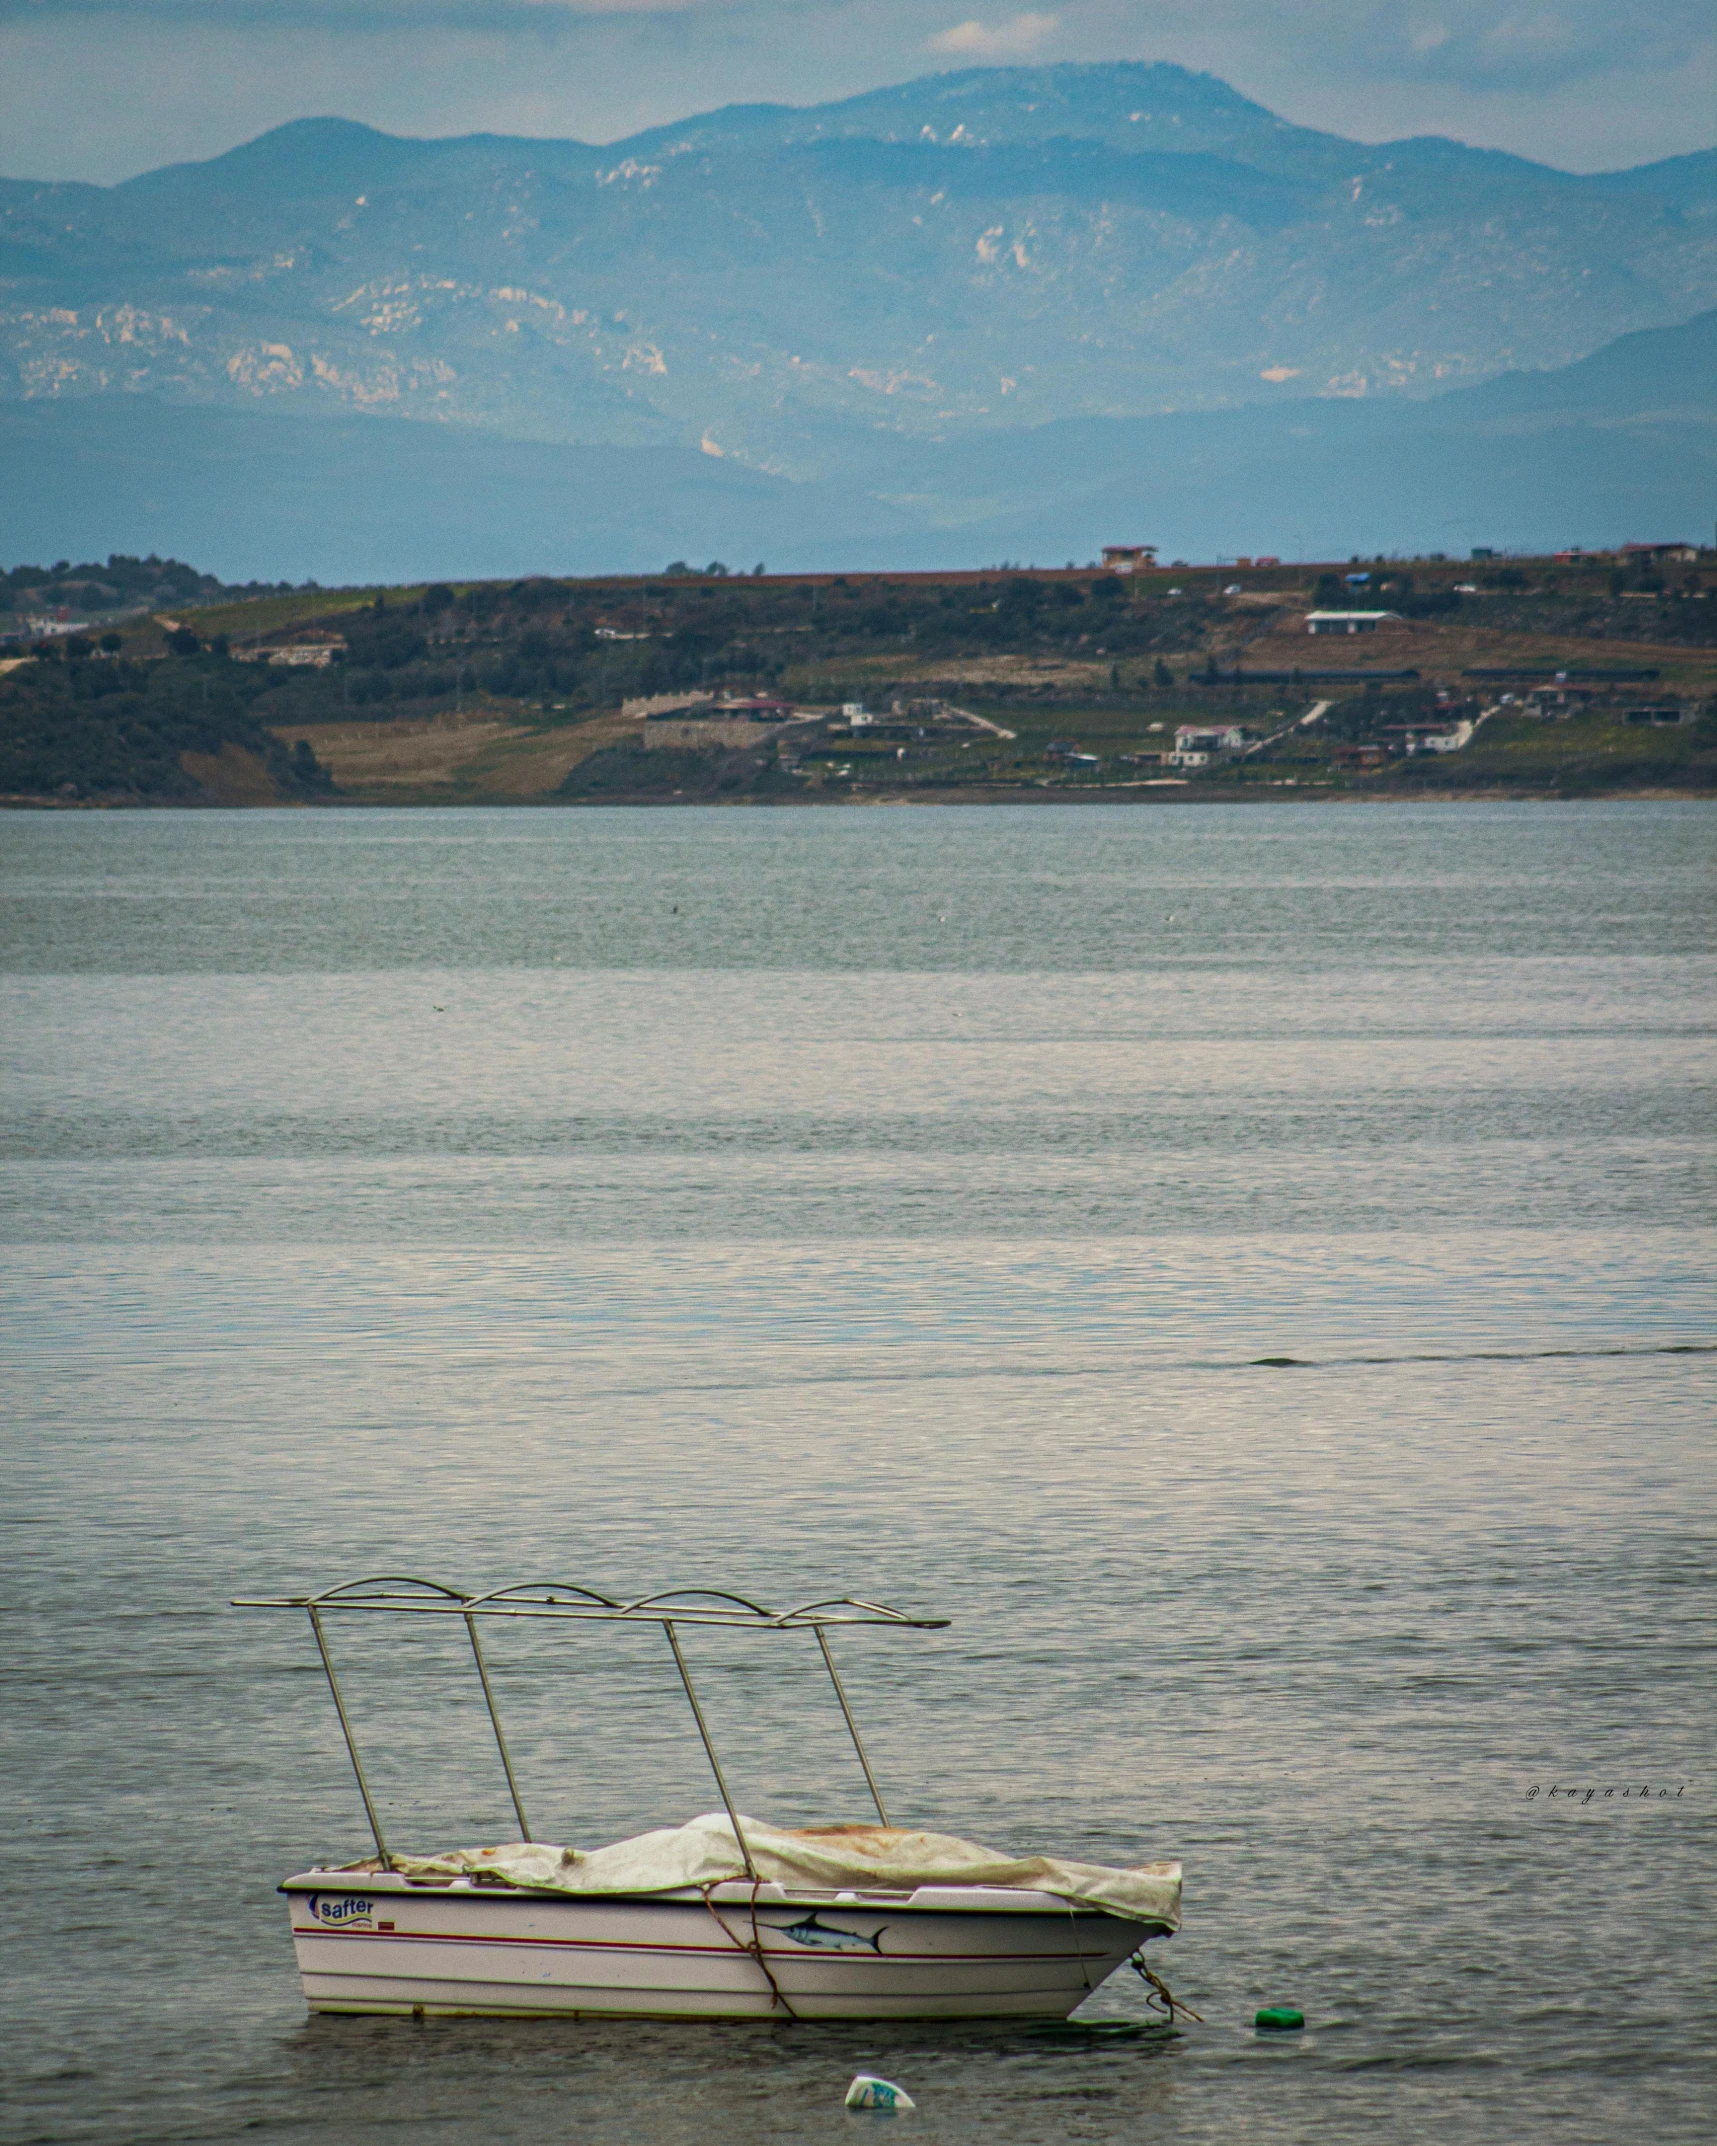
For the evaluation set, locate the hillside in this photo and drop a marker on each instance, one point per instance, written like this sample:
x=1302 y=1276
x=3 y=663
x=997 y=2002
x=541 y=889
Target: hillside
x=1616 y=446
x=791 y=289
x=1048 y=687
x=1622 y=444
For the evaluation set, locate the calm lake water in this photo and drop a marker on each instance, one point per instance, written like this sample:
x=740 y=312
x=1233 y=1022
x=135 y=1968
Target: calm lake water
x=893 y=1202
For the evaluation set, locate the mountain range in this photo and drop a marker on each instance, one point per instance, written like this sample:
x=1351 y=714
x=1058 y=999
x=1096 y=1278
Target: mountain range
x=1009 y=303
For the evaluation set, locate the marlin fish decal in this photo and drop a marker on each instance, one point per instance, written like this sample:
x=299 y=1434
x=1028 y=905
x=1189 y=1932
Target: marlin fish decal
x=822 y=1938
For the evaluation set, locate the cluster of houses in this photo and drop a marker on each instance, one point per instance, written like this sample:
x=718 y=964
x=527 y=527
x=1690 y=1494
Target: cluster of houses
x=1560 y=702
x=1199 y=745
x=1675 y=553
x=1140 y=558
x=44 y=626
x=701 y=721
x=295 y=655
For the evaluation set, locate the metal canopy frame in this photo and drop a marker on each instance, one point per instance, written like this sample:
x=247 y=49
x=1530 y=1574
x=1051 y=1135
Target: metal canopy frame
x=402 y=1594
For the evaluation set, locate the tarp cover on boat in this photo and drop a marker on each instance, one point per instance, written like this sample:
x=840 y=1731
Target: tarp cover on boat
x=703 y=1852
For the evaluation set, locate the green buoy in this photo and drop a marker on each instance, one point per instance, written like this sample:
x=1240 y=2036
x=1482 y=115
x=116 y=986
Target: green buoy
x=1279 y=2019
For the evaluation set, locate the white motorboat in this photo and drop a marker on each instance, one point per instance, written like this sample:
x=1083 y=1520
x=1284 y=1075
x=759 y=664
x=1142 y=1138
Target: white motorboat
x=724 y=1918
x=938 y=1952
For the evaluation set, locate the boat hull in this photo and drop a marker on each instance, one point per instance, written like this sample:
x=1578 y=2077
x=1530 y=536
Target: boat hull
x=391 y=1945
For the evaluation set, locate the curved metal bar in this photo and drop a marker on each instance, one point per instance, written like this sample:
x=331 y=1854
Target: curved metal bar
x=830 y=1602
x=330 y=1595
x=699 y=1594
x=875 y=1613
x=552 y=1588
x=407 y=1593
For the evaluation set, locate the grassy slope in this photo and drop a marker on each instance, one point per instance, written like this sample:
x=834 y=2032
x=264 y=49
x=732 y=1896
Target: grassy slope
x=524 y=695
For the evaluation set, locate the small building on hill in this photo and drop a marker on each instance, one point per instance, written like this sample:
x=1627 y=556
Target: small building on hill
x=725 y=725
x=1558 y=703
x=1129 y=558
x=1679 y=553
x=1433 y=737
x=1347 y=621
x=301 y=655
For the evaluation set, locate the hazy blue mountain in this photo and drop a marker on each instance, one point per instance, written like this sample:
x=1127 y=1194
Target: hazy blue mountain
x=809 y=291
x=348 y=499
x=1622 y=444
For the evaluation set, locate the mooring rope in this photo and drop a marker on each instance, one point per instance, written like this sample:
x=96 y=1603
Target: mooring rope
x=755 y=1948
x=1161 y=1999
x=1079 y=1947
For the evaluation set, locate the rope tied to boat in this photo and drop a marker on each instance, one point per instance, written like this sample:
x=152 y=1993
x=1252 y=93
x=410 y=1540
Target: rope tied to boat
x=1161 y=1999
x=755 y=1948
x=1079 y=1946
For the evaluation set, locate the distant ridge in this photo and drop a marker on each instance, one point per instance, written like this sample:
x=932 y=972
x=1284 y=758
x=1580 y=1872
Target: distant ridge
x=970 y=252
x=1623 y=444
x=994 y=312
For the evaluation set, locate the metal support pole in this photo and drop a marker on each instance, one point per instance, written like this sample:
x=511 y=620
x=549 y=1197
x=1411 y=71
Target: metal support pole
x=495 y=1723
x=351 y=1742
x=852 y=1725
x=715 y=1763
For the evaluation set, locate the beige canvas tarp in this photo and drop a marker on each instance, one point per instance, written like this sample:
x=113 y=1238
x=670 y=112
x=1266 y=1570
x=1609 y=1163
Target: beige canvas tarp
x=876 y=1858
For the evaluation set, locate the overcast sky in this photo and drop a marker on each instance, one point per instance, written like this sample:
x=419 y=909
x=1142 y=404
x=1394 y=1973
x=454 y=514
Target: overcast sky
x=100 y=89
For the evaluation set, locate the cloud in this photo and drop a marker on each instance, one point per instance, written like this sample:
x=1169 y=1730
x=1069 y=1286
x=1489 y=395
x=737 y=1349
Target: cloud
x=1006 y=41
x=1491 y=46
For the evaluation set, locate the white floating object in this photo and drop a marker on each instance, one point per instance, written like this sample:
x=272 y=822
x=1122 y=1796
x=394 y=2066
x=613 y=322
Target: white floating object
x=868 y=2093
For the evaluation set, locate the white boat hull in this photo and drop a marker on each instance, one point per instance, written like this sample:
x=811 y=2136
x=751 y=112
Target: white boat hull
x=388 y=1944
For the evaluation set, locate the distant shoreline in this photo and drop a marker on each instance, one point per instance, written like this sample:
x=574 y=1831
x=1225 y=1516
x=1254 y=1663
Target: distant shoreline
x=1065 y=800
x=1549 y=678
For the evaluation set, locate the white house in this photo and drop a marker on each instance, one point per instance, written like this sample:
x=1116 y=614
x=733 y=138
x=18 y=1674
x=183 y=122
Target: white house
x=678 y=722
x=1208 y=738
x=1346 y=621
x=305 y=655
